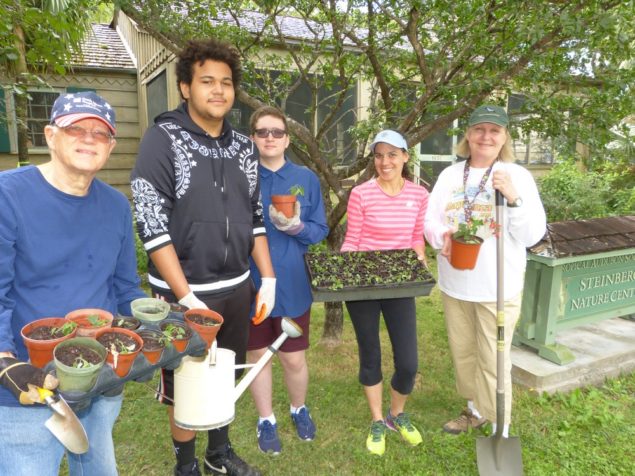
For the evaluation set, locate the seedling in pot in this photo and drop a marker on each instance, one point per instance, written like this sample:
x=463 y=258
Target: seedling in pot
x=296 y=190
x=80 y=362
x=95 y=321
x=174 y=332
x=64 y=330
x=120 y=347
x=467 y=231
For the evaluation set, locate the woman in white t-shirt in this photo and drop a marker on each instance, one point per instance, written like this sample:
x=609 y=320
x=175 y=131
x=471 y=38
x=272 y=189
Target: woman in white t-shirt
x=463 y=192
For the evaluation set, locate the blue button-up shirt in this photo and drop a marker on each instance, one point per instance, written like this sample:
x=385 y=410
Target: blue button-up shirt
x=293 y=292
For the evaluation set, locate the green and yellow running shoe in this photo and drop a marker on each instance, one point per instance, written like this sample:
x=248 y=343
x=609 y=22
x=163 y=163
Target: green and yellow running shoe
x=404 y=426
x=376 y=441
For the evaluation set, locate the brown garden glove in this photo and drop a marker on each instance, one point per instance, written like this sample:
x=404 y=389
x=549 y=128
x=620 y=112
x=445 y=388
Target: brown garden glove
x=23 y=379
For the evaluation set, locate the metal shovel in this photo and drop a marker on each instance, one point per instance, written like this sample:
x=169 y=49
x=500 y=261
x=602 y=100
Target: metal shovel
x=496 y=455
x=64 y=424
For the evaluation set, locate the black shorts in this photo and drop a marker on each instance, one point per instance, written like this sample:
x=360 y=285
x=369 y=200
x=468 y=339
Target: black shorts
x=234 y=306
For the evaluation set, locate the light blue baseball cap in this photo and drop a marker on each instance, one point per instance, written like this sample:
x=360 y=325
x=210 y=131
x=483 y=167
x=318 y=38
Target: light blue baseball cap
x=389 y=137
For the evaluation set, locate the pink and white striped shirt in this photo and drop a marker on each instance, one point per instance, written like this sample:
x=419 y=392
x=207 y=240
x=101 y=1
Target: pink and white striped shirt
x=377 y=221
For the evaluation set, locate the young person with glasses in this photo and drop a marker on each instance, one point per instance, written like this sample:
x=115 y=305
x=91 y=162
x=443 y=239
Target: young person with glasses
x=197 y=205
x=289 y=239
x=66 y=242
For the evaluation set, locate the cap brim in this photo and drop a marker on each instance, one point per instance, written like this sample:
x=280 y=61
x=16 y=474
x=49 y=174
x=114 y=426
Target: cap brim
x=68 y=119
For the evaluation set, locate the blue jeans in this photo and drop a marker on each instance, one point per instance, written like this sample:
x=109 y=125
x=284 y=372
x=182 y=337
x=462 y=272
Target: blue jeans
x=28 y=447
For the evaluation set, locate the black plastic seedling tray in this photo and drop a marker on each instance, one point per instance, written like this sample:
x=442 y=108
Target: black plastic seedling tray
x=108 y=383
x=366 y=275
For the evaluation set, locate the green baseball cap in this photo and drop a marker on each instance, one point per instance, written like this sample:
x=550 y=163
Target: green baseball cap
x=489 y=113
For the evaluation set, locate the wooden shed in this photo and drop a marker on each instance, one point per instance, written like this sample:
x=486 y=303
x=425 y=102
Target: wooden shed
x=107 y=68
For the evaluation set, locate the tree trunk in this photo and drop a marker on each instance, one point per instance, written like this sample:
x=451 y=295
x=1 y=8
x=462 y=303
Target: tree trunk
x=21 y=100
x=333 y=323
x=333 y=311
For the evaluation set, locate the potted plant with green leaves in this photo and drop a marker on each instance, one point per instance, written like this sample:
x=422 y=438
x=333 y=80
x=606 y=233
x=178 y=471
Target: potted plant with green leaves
x=77 y=363
x=205 y=322
x=286 y=203
x=42 y=335
x=466 y=245
x=154 y=342
x=176 y=333
x=123 y=346
x=90 y=320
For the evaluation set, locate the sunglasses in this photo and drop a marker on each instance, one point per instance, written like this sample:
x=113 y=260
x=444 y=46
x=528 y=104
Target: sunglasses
x=277 y=133
x=103 y=137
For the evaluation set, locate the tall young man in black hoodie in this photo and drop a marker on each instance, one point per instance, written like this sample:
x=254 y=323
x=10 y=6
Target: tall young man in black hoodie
x=198 y=210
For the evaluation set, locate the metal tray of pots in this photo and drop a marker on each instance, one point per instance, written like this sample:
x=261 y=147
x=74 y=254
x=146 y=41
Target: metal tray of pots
x=109 y=384
x=392 y=287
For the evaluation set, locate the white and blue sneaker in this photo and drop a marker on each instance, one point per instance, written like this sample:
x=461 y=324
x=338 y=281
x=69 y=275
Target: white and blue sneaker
x=304 y=424
x=268 y=440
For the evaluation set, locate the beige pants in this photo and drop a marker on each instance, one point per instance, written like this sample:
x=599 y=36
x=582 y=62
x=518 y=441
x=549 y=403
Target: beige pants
x=471 y=328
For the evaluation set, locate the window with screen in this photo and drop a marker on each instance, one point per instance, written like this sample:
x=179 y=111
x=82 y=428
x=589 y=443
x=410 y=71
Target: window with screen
x=38 y=115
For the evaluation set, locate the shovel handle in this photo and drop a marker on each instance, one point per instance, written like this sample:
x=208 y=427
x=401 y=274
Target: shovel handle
x=44 y=393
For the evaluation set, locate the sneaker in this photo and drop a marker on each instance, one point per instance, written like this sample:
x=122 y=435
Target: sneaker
x=304 y=424
x=268 y=440
x=404 y=426
x=376 y=441
x=191 y=469
x=225 y=461
x=464 y=423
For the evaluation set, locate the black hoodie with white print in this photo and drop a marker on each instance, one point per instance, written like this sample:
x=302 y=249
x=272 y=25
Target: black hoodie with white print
x=200 y=194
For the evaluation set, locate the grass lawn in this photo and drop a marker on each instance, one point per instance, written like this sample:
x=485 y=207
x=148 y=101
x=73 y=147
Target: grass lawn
x=585 y=432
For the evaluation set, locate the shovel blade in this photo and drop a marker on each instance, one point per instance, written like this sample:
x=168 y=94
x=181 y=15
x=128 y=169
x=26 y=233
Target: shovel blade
x=67 y=428
x=499 y=456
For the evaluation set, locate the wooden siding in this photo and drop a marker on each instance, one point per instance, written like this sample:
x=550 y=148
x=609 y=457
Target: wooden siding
x=120 y=90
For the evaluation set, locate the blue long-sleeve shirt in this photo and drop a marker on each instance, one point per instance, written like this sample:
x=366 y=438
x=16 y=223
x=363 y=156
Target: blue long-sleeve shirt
x=60 y=252
x=293 y=292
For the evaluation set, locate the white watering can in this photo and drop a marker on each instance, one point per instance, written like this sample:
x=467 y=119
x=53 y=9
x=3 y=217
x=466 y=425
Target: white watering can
x=204 y=393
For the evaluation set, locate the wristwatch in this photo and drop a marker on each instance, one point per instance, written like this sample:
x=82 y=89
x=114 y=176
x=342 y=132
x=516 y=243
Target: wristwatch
x=516 y=203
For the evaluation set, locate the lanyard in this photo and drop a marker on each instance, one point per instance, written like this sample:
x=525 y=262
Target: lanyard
x=468 y=205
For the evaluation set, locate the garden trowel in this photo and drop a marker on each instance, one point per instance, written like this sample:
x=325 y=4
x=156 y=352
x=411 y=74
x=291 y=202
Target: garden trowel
x=64 y=424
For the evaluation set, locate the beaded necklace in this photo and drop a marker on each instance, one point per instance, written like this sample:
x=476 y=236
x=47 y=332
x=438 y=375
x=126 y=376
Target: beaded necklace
x=468 y=205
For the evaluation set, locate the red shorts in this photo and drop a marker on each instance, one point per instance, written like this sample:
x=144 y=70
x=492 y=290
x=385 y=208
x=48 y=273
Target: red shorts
x=267 y=332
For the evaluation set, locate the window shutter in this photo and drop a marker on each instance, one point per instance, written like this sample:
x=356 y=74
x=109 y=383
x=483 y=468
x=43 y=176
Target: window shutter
x=5 y=144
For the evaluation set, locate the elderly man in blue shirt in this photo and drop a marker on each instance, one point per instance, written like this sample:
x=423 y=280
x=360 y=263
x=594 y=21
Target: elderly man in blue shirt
x=289 y=239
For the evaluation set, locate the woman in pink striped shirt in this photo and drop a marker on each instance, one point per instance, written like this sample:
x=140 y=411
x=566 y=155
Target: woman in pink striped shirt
x=384 y=213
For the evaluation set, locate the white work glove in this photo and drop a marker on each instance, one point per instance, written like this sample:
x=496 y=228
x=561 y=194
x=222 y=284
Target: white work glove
x=265 y=300
x=192 y=302
x=290 y=226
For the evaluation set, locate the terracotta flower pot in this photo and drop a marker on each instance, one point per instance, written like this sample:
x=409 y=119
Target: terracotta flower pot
x=122 y=364
x=284 y=204
x=86 y=328
x=41 y=351
x=464 y=255
x=208 y=328
x=153 y=345
x=126 y=322
x=179 y=343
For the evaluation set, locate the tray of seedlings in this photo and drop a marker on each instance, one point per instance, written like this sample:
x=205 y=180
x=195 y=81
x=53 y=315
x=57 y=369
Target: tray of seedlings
x=130 y=348
x=365 y=275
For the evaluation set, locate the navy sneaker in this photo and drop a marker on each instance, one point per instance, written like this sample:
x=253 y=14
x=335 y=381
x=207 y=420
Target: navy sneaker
x=188 y=470
x=223 y=461
x=304 y=424
x=268 y=440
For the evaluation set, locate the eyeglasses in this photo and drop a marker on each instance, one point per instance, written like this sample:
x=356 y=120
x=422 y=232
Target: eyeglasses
x=103 y=137
x=264 y=133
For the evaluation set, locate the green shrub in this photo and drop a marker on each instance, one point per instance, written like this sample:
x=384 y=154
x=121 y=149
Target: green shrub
x=142 y=256
x=571 y=194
